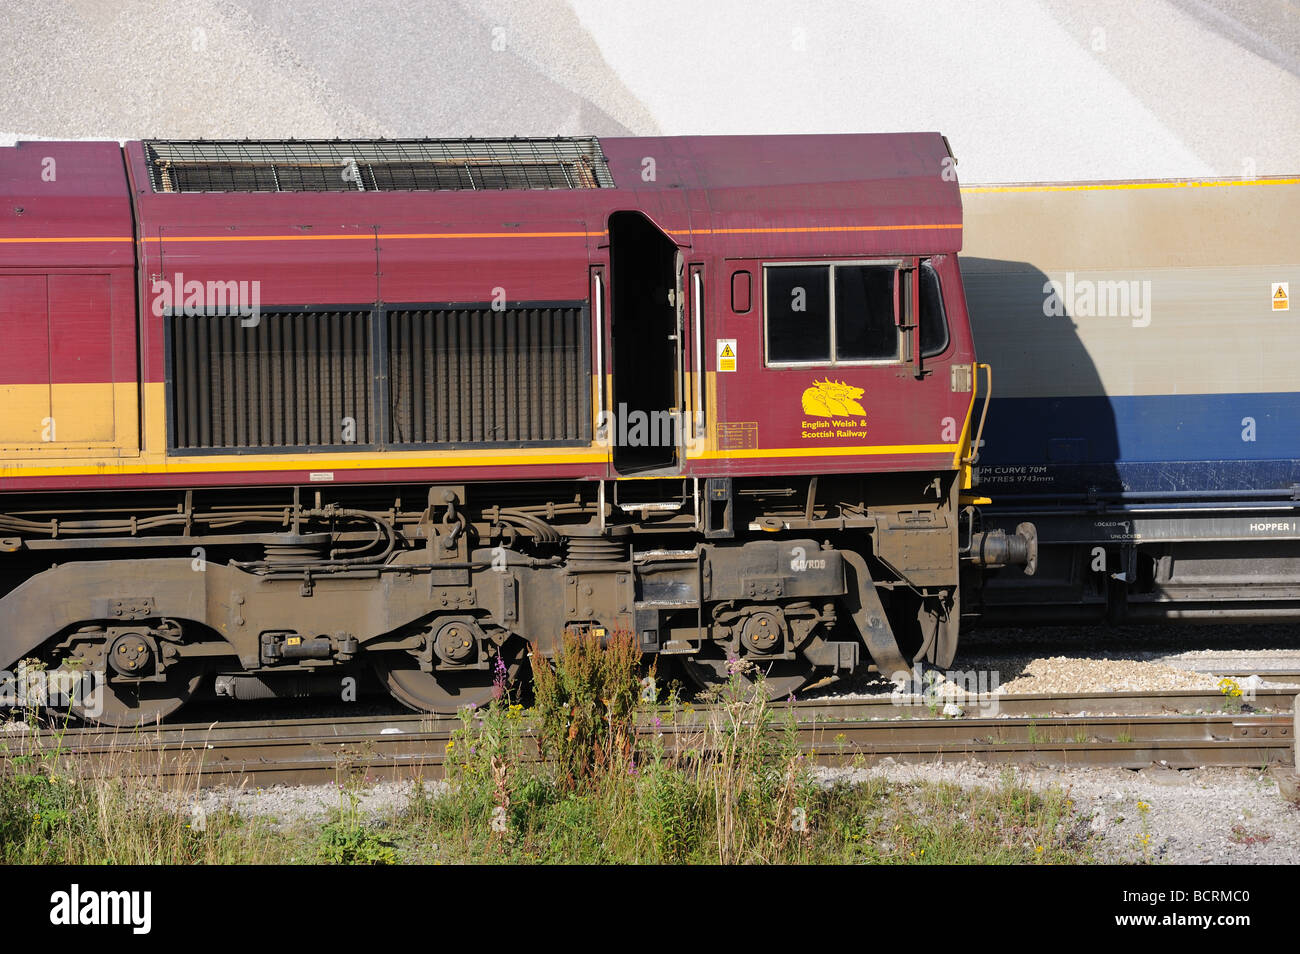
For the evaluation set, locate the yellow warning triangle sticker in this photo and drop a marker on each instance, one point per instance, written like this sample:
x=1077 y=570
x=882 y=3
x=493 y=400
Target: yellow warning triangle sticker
x=727 y=352
x=1280 y=292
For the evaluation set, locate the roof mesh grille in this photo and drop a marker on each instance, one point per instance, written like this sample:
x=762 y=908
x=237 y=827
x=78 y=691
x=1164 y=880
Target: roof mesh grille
x=384 y=165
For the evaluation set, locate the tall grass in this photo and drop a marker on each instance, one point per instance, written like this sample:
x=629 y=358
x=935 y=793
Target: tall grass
x=615 y=772
x=55 y=811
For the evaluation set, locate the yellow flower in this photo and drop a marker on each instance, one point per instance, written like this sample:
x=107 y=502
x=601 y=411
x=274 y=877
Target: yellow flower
x=1038 y=850
x=1229 y=687
x=451 y=745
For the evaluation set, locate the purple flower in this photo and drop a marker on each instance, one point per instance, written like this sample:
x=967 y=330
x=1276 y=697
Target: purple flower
x=499 y=679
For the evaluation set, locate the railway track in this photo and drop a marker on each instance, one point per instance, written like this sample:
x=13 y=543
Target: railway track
x=1137 y=730
x=1237 y=668
x=1272 y=675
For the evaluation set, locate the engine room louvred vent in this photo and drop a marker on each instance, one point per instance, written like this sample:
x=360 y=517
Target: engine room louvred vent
x=295 y=379
x=376 y=165
x=473 y=376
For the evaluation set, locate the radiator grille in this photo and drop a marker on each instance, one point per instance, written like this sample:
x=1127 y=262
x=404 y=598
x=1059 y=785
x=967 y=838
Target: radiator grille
x=478 y=376
x=376 y=165
x=293 y=380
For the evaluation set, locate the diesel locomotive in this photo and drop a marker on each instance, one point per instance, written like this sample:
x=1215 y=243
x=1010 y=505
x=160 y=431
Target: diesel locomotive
x=272 y=413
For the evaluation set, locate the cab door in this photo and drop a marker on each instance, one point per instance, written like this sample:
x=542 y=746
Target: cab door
x=647 y=330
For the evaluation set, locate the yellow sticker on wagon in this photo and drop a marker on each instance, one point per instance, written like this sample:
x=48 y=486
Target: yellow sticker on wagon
x=726 y=354
x=1281 y=296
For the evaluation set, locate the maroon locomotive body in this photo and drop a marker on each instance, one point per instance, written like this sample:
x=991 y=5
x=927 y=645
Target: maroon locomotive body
x=275 y=410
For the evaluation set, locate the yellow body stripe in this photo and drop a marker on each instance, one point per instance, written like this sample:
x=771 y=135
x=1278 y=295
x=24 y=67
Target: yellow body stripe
x=869 y=450
x=1113 y=186
x=242 y=463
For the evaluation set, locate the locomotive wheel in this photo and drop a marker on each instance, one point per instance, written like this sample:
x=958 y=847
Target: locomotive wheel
x=441 y=691
x=131 y=704
x=781 y=677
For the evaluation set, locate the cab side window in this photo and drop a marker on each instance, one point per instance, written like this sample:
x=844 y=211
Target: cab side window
x=843 y=313
x=798 y=313
x=934 y=323
x=864 y=313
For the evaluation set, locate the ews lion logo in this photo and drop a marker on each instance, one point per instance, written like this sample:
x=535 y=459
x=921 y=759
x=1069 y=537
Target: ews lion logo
x=833 y=399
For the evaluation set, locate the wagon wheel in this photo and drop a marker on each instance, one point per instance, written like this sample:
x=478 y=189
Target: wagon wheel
x=708 y=669
x=442 y=691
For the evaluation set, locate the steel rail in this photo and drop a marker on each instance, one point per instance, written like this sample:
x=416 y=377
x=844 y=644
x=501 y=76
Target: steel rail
x=826 y=708
x=838 y=733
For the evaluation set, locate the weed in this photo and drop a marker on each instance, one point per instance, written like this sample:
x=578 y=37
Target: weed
x=348 y=840
x=1241 y=835
x=585 y=703
x=1144 y=836
x=1230 y=689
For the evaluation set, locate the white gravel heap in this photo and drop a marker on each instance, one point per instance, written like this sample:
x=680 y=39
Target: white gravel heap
x=1060 y=674
x=287 y=804
x=1204 y=816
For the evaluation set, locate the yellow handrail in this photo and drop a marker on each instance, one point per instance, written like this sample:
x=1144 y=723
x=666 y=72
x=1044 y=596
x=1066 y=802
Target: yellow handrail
x=988 y=393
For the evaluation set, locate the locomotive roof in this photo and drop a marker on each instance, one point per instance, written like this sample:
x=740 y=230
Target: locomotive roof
x=738 y=196
x=709 y=187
